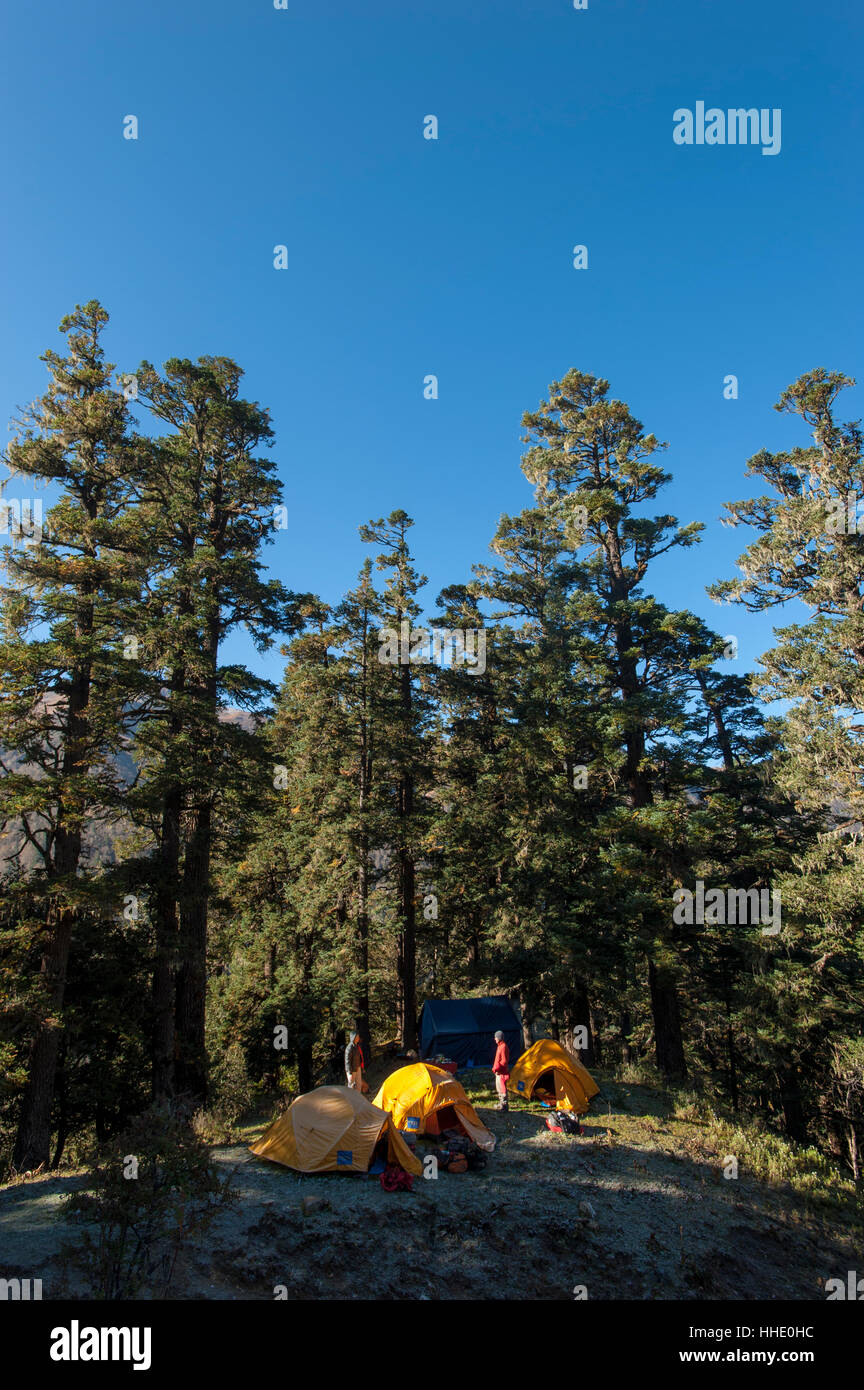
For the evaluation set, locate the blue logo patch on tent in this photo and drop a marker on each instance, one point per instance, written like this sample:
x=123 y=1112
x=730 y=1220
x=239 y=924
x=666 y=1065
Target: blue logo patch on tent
x=344 y=1157
x=520 y=1085
x=412 y=1123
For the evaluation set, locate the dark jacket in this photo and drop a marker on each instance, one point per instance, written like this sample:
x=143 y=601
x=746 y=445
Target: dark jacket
x=353 y=1058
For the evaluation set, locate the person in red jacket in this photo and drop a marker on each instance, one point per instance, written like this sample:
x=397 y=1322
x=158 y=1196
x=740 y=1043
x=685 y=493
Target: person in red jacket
x=501 y=1068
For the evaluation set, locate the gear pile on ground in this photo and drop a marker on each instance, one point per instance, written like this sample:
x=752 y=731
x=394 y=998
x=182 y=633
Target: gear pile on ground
x=459 y=1155
x=395 y=1179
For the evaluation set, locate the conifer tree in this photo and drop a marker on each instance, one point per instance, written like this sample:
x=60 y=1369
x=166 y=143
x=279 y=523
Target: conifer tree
x=406 y=755
x=810 y=548
x=63 y=679
x=308 y=879
x=210 y=503
x=589 y=455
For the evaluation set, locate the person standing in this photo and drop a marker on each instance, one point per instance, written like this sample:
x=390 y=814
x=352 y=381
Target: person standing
x=501 y=1069
x=354 y=1062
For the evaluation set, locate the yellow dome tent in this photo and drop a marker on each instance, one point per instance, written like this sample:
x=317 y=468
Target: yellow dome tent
x=333 y=1130
x=547 y=1072
x=427 y=1100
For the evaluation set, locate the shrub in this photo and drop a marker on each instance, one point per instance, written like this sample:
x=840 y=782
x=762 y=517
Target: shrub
x=232 y=1091
x=155 y=1186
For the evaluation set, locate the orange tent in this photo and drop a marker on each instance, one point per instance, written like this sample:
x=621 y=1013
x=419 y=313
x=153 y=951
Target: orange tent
x=547 y=1068
x=426 y=1099
x=333 y=1129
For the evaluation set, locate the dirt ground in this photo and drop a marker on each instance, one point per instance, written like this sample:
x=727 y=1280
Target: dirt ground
x=635 y=1208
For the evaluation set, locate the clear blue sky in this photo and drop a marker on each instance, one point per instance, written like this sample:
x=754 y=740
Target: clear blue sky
x=409 y=257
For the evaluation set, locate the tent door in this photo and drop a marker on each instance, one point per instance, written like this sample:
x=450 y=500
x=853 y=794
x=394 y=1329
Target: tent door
x=446 y=1117
x=544 y=1087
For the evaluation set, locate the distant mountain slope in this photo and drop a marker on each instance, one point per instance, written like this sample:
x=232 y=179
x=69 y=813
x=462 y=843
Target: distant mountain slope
x=101 y=834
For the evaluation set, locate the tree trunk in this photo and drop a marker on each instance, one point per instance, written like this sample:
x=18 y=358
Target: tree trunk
x=554 y=1023
x=33 y=1140
x=305 y=1079
x=625 y=1026
x=62 y=1096
x=407 y=953
x=668 y=1041
x=716 y=712
x=270 y=966
x=791 y=1103
x=527 y=1022
x=580 y=1017
x=191 y=997
x=362 y=1009
x=362 y=1004
x=596 y=1041
x=191 y=1051
x=854 y=1156
x=730 y=1039
x=165 y=926
x=407 y=891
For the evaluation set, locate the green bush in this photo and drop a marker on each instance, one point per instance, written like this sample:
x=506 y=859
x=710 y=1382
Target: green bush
x=156 y=1185
x=231 y=1089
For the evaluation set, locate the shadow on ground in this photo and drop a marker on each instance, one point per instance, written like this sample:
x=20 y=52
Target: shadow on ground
x=634 y=1208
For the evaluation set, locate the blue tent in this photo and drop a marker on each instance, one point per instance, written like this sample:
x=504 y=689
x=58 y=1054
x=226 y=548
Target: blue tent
x=464 y=1029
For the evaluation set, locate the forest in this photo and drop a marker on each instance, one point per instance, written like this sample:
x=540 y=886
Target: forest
x=207 y=879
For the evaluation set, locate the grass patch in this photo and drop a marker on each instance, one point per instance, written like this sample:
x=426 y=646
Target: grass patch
x=772 y=1158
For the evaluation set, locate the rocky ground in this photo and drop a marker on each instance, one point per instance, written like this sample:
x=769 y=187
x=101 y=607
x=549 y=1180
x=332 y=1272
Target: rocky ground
x=635 y=1208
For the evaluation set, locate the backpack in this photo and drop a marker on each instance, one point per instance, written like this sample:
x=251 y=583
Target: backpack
x=569 y=1122
x=459 y=1155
